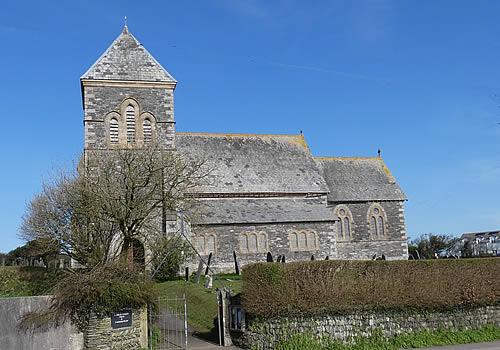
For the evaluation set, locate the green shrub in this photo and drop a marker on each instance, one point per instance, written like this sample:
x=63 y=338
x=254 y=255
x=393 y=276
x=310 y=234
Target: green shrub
x=96 y=292
x=17 y=281
x=319 y=287
x=168 y=255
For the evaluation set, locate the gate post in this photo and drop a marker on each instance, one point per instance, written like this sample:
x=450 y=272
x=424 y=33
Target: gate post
x=223 y=298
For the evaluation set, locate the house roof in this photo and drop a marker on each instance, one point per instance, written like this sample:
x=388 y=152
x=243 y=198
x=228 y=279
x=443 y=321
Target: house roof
x=485 y=234
x=127 y=59
x=359 y=179
x=247 y=163
x=260 y=210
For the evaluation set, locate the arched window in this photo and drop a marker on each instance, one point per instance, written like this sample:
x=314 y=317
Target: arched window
x=113 y=131
x=262 y=242
x=253 y=242
x=377 y=221
x=147 y=131
x=130 y=121
x=294 y=241
x=344 y=225
x=303 y=240
x=205 y=243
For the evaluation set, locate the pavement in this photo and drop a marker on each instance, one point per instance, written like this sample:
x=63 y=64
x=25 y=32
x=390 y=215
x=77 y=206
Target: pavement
x=199 y=344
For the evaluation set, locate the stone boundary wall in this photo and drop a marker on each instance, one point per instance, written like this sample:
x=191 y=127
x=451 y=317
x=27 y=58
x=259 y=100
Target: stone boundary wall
x=100 y=335
x=265 y=334
x=65 y=337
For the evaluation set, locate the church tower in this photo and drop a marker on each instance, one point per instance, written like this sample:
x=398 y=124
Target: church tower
x=128 y=98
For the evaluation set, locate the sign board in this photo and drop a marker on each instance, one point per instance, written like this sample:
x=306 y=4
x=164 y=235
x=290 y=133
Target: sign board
x=121 y=319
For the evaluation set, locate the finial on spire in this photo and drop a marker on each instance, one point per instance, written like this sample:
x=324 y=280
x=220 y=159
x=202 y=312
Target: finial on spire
x=125 y=28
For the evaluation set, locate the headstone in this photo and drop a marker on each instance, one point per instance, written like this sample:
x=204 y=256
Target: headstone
x=198 y=273
x=208 y=282
x=236 y=267
x=208 y=263
x=269 y=257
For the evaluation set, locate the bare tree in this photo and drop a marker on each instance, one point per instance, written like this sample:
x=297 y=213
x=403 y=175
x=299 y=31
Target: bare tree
x=112 y=199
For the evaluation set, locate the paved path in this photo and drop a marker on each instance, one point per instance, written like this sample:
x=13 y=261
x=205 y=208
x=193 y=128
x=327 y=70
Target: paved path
x=200 y=344
x=478 y=346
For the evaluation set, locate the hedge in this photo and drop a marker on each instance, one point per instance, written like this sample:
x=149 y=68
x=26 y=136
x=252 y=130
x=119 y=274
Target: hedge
x=17 y=281
x=319 y=287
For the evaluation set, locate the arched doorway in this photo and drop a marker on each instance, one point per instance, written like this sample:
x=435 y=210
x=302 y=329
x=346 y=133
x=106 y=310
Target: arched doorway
x=138 y=253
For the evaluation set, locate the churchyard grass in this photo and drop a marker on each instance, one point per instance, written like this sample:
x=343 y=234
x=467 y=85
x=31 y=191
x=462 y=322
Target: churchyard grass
x=17 y=281
x=403 y=341
x=201 y=302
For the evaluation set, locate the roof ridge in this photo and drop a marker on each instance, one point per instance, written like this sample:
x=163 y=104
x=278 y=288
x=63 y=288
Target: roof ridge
x=203 y=133
x=347 y=158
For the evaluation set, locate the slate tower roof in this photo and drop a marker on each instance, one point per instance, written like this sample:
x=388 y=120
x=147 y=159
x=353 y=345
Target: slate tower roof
x=127 y=59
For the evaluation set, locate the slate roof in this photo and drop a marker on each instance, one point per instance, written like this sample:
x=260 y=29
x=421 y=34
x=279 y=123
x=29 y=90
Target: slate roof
x=359 y=179
x=261 y=210
x=127 y=59
x=245 y=163
x=486 y=234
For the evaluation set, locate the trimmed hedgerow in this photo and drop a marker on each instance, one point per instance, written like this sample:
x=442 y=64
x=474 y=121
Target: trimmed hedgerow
x=319 y=287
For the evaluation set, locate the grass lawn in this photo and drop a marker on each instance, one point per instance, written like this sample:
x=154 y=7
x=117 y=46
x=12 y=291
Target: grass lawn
x=17 y=281
x=201 y=302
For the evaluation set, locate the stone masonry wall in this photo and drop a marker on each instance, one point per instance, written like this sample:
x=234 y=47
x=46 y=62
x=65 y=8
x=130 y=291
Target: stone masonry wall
x=100 y=100
x=227 y=240
x=100 y=336
x=363 y=245
x=64 y=337
x=265 y=334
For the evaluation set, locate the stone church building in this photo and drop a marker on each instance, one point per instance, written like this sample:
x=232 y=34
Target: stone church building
x=267 y=193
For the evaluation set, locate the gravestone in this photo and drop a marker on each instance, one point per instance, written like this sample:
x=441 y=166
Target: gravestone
x=236 y=267
x=208 y=263
x=198 y=273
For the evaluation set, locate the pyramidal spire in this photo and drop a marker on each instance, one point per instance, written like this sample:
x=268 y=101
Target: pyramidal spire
x=127 y=59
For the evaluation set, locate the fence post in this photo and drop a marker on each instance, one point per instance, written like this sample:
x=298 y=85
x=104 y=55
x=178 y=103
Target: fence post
x=185 y=323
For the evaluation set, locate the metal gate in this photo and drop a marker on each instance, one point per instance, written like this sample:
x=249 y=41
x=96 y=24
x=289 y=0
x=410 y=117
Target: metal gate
x=168 y=324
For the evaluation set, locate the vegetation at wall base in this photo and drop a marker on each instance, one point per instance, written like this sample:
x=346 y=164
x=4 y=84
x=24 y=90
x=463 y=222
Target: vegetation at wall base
x=17 y=281
x=328 y=287
x=403 y=341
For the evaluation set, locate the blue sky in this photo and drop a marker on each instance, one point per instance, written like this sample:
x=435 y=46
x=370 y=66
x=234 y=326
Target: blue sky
x=418 y=79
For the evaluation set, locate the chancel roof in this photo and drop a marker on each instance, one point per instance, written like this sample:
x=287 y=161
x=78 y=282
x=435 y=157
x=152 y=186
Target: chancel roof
x=243 y=163
x=260 y=210
x=127 y=59
x=359 y=179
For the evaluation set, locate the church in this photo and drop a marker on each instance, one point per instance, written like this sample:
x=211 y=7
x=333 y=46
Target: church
x=267 y=193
